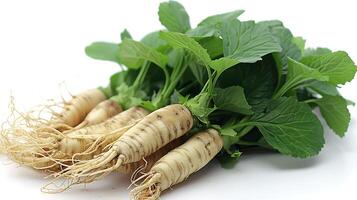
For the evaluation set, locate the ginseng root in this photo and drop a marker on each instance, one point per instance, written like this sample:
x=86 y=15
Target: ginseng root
x=150 y=134
x=74 y=111
x=100 y=113
x=145 y=164
x=55 y=116
x=178 y=164
x=52 y=149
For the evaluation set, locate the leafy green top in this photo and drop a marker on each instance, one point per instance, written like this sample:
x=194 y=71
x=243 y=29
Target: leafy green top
x=255 y=82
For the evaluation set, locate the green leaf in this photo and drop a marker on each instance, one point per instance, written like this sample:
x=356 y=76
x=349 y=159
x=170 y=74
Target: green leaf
x=316 y=52
x=350 y=102
x=175 y=57
x=323 y=88
x=215 y=19
x=117 y=79
x=154 y=41
x=176 y=97
x=199 y=72
x=180 y=40
x=338 y=66
x=198 y=107
x=102 y=51
x=261 y=83
x=148 y=105
x=300 y=43
x=125 y=34
x=303 y=94
x=247 y=41
x=298 y=74
x=271 y=24
x=211 y=26
x=228 y=142
x=222 y=64
x=128 y=96
x=288 y=44
x=232 y=99
x=290 y=127
x=289 y=47
x=228 y=132
x=335 y=112
x=174 y=17
x=133 y=54
x=231 y=154
x=204 y=31
x=214 y=46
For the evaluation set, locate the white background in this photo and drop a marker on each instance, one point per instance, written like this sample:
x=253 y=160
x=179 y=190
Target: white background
x=42 y=44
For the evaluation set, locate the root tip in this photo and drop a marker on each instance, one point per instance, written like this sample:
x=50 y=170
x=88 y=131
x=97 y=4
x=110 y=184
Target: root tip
x=149 y=189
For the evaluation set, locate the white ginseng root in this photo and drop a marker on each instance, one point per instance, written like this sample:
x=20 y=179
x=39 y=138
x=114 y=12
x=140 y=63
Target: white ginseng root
x=149 y=135
x=103 y=111
x=75 y=110
x=56 y=117
x=145 y=164
x=54 y=151
x=177 y=165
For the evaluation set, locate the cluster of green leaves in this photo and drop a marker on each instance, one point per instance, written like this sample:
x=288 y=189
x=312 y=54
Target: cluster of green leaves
x=253 y=81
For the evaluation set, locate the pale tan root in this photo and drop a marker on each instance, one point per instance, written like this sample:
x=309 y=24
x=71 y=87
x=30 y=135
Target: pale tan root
x=38 y=163
x=177 y=165
x=65 y=115
x=150 y=189
x=53 y=116
x=70 y=147
x=75 y=110
x=40 y=127
x=144 y=165
x=82 y=148
x=2 y=146
x=100 y=113
x=120 y=120
x=2 y=150
x=29 y=154
x=20 y=131
x=150 y=134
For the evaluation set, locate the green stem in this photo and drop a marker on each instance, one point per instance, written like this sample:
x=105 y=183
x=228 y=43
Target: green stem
x=141 y=76
x=176 y=74
x=245 y=126
x=244 y=131
x=205 y=87
x=286 y=87
x=242 y=124
x=174 y=82
x=209 y=73
x=280 y=93
x=208 y=87
x=209 y=82
x=310 y=101
x=170 y=83
x=216 y=79
x=242 y=121
x=213 y=81
x=167 y=79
